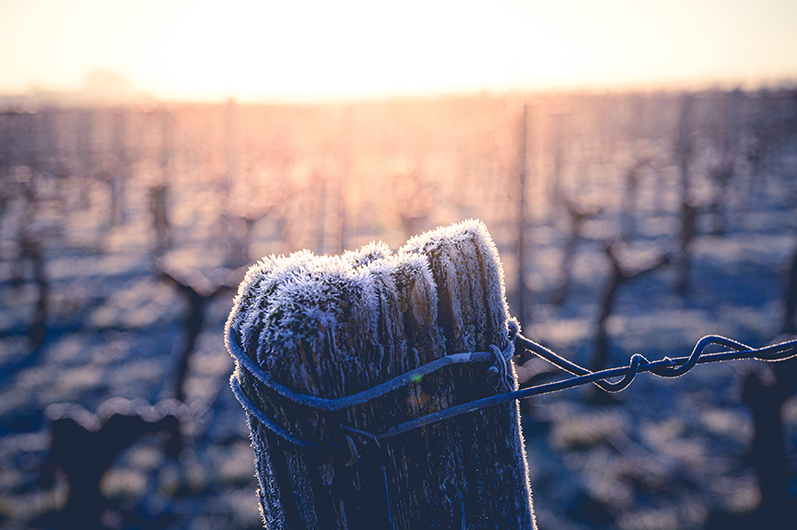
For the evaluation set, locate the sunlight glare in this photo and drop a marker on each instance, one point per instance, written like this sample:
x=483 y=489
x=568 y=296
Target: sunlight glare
x=352 y=49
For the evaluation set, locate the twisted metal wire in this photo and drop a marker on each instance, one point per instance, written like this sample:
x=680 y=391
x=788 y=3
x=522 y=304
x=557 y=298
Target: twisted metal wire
x=331 y=405
x=666 y=367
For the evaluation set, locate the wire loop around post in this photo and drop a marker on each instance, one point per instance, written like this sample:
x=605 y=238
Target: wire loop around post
x=666 y=367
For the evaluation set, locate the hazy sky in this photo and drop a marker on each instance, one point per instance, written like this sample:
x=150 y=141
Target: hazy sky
x=306 y=48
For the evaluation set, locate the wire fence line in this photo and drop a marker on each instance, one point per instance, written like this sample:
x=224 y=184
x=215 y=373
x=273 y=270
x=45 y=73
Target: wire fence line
x=499 y=364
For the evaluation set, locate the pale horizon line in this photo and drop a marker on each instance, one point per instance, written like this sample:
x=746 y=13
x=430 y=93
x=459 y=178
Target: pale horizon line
x=84 y=93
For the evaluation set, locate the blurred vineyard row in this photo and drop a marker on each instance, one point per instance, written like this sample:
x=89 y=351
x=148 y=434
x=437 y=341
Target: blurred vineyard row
x=625 y=221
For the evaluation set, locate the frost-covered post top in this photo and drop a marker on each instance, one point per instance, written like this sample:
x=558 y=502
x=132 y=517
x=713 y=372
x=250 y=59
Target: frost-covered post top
x=288 y=299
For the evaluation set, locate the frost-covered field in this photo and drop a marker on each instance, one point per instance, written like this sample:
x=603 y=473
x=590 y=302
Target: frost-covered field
x=247 y=181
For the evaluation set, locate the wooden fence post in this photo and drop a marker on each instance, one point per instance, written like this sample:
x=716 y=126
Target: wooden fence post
x=332 y=326
x=523 y=218
x=683 y=154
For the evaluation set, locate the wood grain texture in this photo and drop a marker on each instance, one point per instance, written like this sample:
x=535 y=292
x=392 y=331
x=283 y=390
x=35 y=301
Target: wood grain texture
x=473 y=315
